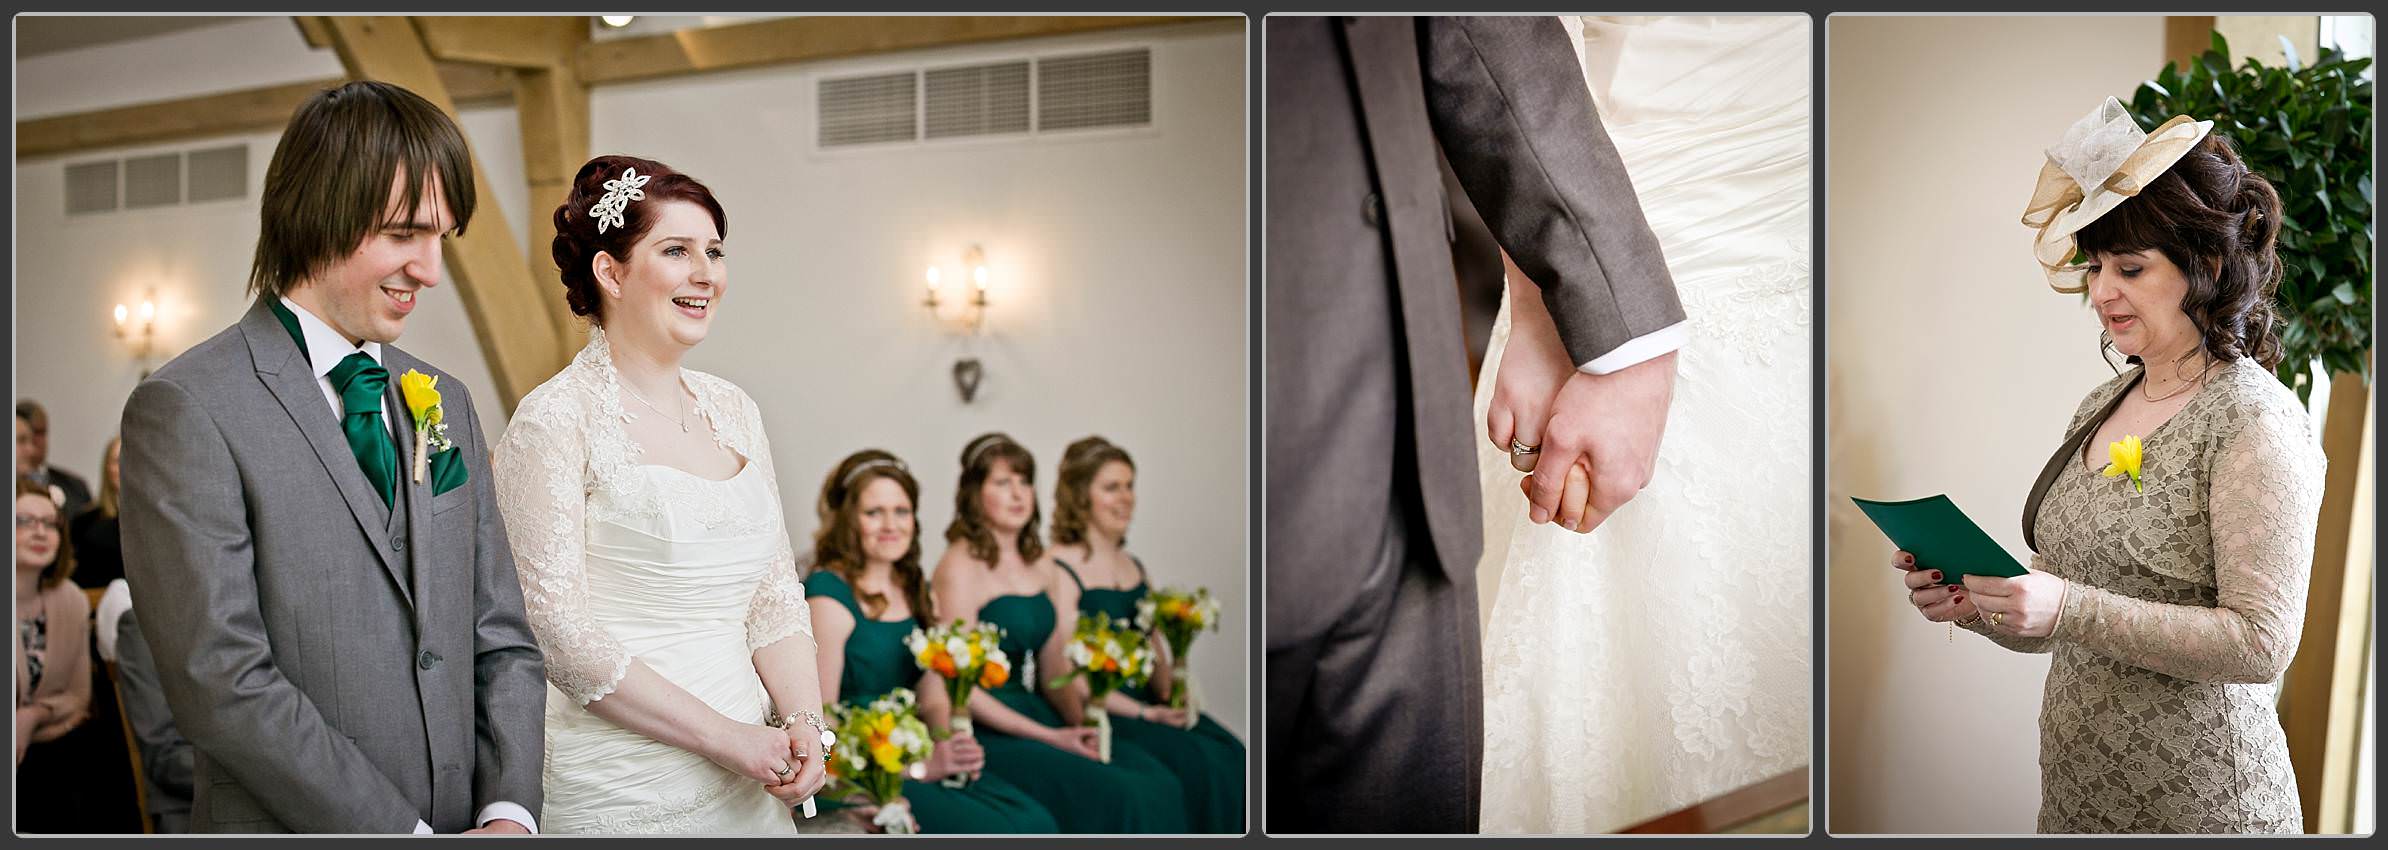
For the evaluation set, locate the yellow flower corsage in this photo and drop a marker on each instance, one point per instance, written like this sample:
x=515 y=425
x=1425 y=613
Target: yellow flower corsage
x=431 y=430
x=2125 y=456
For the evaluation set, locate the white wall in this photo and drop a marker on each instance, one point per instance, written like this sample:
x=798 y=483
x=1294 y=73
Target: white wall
x=1118 y=291
x=1953 y=368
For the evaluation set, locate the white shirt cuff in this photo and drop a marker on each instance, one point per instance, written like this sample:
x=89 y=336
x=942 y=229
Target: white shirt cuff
x=422 y=828
x=502 y=810
x=1640 y=348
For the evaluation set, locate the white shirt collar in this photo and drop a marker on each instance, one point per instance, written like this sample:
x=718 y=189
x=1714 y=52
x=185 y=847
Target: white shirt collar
x=326 y=347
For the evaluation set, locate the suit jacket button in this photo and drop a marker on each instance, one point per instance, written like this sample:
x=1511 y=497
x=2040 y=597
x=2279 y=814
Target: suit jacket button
x=398 y=545
x=1372 y=210
x=427 y=660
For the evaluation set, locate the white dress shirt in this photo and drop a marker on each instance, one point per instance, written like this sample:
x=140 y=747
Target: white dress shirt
x=325 y=349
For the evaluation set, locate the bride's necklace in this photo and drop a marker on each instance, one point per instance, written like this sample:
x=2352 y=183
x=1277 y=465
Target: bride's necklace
x=633 y=391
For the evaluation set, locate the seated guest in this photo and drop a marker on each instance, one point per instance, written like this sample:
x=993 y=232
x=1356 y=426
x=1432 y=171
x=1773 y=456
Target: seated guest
x=165 y=754
x=99 y=555
x=53 y=678
x=33 y=460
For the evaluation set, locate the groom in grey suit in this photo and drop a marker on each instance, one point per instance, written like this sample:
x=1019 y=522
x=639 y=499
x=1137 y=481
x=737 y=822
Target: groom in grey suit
x=1372 y=502
x=339 y=635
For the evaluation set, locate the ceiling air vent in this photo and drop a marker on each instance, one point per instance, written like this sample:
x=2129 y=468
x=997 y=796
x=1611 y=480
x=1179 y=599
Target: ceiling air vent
x=976 y=100
x=1110 y=89
x=869 y=110
x=91 y=187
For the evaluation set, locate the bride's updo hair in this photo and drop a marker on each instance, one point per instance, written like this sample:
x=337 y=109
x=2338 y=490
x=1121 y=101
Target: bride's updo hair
x=577 y=241
x=2220 y=223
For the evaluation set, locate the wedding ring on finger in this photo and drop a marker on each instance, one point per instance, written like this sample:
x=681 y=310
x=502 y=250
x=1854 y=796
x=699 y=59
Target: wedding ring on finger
x=1998 y=618
x=783 y=771
x=1522 y=456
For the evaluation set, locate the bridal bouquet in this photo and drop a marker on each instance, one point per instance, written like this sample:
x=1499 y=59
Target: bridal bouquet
x=1110 y=655
x=877 y=745
x=1179 y=615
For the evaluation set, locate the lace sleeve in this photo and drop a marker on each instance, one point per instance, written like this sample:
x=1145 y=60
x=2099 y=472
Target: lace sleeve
x=2264 y=493
x=539 y=473
x=778 y=610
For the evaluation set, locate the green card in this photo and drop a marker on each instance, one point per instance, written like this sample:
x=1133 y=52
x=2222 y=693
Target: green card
x=1941 y=537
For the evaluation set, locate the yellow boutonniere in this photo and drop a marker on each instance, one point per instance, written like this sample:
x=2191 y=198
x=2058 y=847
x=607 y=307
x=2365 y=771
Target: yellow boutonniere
x=2125 y=456
x=431 y=430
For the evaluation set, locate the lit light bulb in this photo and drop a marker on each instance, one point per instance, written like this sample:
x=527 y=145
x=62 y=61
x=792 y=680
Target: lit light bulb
x=617 y=21
x=121 y=313
x=979 y=275
x=149 y=310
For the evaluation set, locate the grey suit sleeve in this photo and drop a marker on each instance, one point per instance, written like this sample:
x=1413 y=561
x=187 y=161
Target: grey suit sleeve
x=509 y=674
x=1509 y=104
x=165 y=755
x=191 y=562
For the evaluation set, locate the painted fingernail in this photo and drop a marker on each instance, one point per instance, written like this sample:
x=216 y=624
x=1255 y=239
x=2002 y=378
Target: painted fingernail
x=1936 y=575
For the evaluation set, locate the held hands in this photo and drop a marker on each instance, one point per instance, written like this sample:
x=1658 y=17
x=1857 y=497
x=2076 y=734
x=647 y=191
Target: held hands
x=1164 y=715
x=1603 y=429
x=759 y=753
x=499 y=826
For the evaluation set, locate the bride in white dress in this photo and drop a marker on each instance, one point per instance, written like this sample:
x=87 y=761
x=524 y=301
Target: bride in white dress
x=1663 y=659
x=645 y=520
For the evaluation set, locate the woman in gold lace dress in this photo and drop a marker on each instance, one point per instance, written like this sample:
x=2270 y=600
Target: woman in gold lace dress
x=2175 y=526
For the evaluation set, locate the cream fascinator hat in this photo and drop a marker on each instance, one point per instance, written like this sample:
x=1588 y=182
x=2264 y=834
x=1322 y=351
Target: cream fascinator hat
x=2103 y=160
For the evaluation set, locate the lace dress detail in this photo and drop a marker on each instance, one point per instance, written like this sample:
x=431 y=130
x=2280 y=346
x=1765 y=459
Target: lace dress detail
x=566 y=462
x=619 y=560
x=1655 y=662
x=2183 y=606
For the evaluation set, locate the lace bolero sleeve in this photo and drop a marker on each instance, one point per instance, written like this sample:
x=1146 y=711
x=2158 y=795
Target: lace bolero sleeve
x=778 y=610
x=540 y=471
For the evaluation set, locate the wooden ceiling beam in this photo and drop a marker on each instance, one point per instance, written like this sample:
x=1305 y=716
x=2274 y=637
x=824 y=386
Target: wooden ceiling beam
x=245 y=111
x=804 y=39
x=516 y=41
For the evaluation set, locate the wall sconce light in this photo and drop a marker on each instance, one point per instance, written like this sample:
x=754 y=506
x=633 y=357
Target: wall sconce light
x=970 y=319
x=616 y=21
x=137 y=327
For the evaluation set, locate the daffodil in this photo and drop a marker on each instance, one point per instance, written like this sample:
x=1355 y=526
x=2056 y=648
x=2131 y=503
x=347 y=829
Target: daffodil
x=2126 y=454
x=422 y=397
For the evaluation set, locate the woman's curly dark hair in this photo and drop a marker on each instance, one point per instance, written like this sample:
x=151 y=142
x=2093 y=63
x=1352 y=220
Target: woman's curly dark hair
x=2220 y=223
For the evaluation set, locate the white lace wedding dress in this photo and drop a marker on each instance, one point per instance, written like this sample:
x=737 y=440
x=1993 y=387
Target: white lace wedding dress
x=1663 y=659
x=620 y=559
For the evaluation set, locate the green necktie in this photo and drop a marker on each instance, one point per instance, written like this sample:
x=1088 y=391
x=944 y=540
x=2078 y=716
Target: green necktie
x=360 y=382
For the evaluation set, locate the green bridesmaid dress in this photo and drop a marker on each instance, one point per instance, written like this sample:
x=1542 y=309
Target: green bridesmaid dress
x=1134 y=793
x=877 y=662
x=1207 y=759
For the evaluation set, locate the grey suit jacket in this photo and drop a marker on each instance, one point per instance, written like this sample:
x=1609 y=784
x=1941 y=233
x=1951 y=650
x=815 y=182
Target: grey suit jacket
x=1367 y=391
x=165 y=753
x=333 y=677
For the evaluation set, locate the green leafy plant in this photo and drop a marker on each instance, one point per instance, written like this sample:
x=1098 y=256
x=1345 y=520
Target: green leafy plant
x=2308 y=130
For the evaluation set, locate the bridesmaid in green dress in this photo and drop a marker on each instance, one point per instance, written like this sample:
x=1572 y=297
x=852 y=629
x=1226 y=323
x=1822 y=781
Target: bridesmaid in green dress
x=868 y=540
x=995 y=570
x=1094 y=499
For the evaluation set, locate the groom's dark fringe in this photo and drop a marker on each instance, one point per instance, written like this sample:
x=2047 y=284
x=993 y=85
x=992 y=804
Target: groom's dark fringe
x=969 y=525
x=329 y=183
